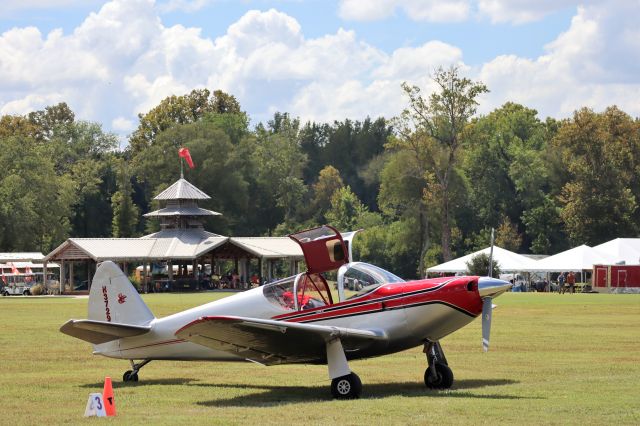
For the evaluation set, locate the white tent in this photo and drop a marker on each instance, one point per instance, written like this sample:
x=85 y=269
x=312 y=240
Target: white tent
x=508 y=261
x=625 y=250
x=576 y=259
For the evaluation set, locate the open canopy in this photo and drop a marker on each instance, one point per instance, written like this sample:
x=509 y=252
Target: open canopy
x=508 y=261
x=323 y=248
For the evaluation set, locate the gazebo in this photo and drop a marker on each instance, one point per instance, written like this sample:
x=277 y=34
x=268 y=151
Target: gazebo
x=182 y=246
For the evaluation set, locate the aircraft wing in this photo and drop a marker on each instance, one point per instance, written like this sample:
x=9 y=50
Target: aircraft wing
x=274 y=342
x=97 y=332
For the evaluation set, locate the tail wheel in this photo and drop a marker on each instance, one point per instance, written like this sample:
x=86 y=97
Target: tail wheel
x=443 y=378
x=346 y=387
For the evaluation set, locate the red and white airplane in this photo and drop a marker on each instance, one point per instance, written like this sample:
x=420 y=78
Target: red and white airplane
x=296 y=319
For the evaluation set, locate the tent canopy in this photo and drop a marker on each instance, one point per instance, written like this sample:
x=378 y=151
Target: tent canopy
x=508 y=261
x=625 y=250
x=575 y=259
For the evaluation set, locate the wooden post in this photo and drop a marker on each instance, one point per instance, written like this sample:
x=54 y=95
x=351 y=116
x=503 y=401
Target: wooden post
x=196 y=275
x=62 y=276
x=44 y=276
x=145 y=283
x=88 y=265
x=71 y=277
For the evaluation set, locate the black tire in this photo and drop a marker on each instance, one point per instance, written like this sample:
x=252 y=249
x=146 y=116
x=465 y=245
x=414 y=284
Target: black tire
x=130 y=376
x=26 y=293
x=346 y=387
x=443 y=379
x=6 y=293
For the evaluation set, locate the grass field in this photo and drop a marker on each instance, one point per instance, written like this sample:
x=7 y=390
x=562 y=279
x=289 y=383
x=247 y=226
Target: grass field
x=555 y=359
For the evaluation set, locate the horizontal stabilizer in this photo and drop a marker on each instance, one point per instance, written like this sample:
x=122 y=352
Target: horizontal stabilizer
x=97 y=332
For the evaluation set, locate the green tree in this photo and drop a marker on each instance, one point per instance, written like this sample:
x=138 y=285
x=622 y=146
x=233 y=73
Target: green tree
x=125 y=213
x=329 y=181
x=183 y=109
x=279 y=167
x=479 y=265
x=404 y=192
x=507 y=235
x=391 y=246
x=35 y=202
x=438 y=123
x=346 y=210
x=507 y=165
x=598 y=201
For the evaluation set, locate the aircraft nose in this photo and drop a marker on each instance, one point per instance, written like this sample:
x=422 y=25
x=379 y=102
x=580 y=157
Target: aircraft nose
x=492 y=287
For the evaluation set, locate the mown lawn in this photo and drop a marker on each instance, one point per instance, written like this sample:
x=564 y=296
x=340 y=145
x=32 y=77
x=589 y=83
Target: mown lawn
x=555 y=359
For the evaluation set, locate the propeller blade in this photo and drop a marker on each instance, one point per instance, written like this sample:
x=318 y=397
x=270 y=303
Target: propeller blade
x=487 y=308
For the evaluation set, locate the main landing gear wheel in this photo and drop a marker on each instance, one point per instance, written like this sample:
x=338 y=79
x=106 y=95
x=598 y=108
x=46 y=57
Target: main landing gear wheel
x=130 y=376
x=442 y=379
x=346 y=387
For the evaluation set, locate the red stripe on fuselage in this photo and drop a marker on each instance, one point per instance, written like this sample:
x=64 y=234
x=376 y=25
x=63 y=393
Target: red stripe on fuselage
x=165 y=342
x=452 y=292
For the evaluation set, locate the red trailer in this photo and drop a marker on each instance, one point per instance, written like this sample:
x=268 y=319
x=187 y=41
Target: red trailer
x=616 y=278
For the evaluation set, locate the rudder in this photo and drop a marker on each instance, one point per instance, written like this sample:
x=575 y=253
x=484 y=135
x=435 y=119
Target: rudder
x=114 y=299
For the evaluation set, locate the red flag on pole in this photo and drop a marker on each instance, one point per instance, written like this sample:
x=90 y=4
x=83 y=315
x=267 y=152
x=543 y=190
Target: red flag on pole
x=184 y=153
x=4 y=279
x=14 y=270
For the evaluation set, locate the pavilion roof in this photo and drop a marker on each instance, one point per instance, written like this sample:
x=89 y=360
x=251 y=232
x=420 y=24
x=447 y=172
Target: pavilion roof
x=182 y=190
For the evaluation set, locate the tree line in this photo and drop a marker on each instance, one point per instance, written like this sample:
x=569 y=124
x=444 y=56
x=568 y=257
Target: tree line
x=426 y=186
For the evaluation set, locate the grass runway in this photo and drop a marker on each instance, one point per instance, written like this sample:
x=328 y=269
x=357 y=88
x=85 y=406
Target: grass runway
x=554 y=359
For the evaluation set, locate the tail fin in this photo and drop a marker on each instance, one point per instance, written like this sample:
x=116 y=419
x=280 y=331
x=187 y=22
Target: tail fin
x=114 y=299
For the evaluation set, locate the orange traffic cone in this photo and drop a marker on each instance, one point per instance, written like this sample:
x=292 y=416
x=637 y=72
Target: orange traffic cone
x=107 y=397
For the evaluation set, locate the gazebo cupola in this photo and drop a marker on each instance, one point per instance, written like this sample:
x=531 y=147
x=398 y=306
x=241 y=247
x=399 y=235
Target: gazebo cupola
x=181 y=210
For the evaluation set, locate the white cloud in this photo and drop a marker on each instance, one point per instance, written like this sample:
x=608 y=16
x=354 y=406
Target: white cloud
x=595 y=63
x=30 y=102
x=122 y=60
x=15 y=5
x=417 y=10
x=123 y=125
x=188 y=6
x=522 y=11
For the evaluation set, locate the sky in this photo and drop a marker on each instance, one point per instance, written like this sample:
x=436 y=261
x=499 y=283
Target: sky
x=318 y=60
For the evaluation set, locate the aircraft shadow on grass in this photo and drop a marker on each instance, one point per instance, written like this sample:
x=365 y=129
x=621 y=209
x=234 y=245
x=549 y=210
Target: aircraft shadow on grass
x=146 y=382
x=270 y=395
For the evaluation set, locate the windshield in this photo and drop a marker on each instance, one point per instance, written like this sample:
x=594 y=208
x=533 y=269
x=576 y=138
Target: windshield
x=363 y=278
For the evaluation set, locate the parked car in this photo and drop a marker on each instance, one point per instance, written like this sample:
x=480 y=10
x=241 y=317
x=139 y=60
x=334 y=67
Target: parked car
x=23 y=289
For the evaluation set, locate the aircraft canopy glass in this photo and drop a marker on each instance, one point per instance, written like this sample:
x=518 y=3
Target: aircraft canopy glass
x=311 y=290
x=364 y=278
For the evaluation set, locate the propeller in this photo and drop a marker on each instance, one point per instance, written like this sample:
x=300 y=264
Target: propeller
x=488 y=288
x=487 y=308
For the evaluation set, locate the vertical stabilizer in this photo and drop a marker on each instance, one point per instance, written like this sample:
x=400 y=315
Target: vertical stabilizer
x=114 y=299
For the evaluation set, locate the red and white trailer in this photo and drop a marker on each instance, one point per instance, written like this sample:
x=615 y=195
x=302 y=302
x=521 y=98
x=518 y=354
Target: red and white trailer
x=616 y=278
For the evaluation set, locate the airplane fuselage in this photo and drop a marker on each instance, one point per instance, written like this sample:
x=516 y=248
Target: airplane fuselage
x=407 y=313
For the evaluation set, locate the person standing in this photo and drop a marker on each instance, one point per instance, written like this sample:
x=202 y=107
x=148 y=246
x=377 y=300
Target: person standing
x=561 y=280
x=571 y=280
